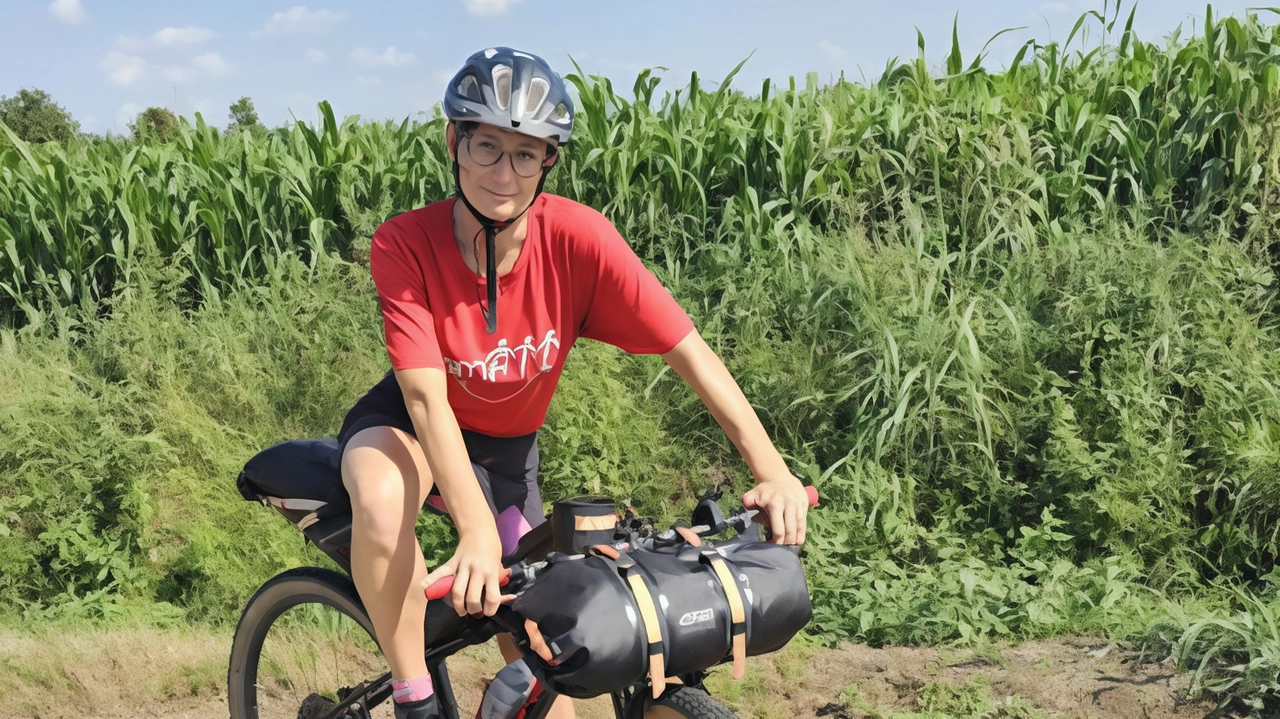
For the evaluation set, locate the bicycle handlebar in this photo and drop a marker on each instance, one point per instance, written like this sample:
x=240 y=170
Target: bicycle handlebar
x=440 y=588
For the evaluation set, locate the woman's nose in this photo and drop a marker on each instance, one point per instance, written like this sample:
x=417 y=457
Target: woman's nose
x=503 y=169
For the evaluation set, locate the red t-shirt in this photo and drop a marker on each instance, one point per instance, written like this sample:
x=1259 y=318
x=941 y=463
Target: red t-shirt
x=575 y=277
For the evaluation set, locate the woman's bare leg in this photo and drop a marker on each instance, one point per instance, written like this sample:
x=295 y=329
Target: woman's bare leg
x=386 y=474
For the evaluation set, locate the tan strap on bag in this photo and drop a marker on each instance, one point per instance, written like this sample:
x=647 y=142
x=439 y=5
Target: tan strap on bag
x=648 y=614
x=604 y=521
x=737 y=610
x=653 y=631
x=689 y=536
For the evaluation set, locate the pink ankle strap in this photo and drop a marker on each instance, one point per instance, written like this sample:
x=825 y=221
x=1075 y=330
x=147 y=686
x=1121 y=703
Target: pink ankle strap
x=412 y=690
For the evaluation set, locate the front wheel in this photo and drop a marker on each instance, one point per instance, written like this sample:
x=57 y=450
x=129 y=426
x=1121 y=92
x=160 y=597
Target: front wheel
x=303 y=644
x=687 y=702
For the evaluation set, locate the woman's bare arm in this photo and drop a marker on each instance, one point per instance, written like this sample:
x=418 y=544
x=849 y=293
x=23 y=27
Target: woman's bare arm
x=478 y=559
x=777 y=493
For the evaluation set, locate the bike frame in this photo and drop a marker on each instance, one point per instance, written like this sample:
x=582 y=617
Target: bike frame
x=379 y=690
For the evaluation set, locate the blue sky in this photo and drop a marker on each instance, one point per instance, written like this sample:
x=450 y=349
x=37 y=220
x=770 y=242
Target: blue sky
x=105 y=61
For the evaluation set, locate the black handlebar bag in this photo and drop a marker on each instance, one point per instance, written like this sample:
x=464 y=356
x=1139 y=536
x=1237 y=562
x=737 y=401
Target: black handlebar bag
x=609 y=619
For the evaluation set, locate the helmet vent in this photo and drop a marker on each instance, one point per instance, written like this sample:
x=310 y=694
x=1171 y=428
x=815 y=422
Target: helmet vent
x=469 y=88
x=502 y=85
x=538 y=89
x=560 y=113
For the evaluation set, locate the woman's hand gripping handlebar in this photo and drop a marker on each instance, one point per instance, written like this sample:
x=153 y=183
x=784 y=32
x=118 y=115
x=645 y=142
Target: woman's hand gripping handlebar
x=785 y=503
x=441 y=588
x=810 y=491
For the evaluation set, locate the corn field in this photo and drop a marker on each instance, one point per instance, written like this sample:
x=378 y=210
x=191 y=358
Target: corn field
x=1019 y=327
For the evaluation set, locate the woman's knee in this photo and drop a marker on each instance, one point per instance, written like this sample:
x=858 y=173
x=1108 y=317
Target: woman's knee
x=383 y=480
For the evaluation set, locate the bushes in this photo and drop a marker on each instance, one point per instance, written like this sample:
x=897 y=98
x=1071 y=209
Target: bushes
x=1018 y=328
x=157 y=124
x=120 y=442
x=35 y=118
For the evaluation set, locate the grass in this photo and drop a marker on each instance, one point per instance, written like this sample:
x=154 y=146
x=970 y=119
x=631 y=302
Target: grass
x=133 y=669
x=969 y=700
x=205 y=678
x=1018 y=327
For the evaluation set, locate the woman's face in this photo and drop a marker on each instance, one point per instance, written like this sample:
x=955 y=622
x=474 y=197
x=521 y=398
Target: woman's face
x=497 y=190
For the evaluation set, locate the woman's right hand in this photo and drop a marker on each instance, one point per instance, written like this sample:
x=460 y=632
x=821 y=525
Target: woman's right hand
x=476 y=567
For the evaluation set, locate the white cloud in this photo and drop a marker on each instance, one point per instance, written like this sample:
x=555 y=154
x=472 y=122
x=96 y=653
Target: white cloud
x=389 y=57
x=169 y=37
x=485 y=8
x=178 y=74
x=211 y=63
x=315 y=55
x=182 y=36
x=299 y=19
x=68 y=11
x=831 y=50
x=368 y=80
x=123 y=69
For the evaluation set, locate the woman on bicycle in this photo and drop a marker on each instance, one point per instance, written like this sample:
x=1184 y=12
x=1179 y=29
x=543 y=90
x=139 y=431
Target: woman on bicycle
x=477 y=333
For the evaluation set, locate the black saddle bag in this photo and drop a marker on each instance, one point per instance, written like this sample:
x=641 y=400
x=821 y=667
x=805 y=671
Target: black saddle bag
x=302 y=479
x=609 y=621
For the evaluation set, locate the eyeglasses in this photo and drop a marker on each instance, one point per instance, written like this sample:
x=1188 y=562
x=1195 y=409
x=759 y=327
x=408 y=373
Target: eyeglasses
x=485 y=152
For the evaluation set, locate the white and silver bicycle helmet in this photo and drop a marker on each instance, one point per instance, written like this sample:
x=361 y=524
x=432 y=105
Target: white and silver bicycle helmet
x=512 y=90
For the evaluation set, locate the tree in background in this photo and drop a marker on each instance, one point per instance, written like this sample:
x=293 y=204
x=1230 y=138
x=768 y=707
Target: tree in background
x=244 y=117
x=158 y=123
x=35 y=117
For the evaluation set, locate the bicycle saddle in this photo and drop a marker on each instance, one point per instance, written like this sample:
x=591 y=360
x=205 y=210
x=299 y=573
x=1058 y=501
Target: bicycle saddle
x=302 y=475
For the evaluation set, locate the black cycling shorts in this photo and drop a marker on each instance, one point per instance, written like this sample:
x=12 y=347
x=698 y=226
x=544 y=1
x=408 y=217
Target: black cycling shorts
x=506 y=467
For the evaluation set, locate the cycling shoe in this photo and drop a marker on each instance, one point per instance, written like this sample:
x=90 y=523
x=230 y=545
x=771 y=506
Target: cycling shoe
x=428 y=708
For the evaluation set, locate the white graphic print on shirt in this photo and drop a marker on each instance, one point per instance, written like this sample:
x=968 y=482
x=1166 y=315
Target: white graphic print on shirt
x=531 y=358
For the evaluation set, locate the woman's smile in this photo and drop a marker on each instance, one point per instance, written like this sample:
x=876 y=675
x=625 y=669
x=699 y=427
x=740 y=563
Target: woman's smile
x=501 y=195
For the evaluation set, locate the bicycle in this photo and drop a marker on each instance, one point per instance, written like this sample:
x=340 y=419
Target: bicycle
x=344 y=675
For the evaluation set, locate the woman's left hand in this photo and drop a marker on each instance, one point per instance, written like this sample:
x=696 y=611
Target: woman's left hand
x=784 y=501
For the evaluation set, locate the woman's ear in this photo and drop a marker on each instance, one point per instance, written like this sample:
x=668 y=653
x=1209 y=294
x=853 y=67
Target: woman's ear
x=553 y=156
x=451 y=140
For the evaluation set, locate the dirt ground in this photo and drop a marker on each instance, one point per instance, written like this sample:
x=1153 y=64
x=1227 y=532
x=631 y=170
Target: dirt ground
x=181 y=675
x=1074 y=677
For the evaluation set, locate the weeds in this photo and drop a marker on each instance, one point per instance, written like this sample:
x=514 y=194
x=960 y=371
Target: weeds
x=1019 y=328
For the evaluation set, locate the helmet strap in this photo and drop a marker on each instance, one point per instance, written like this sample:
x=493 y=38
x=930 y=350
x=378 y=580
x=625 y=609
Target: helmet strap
x=490 y=312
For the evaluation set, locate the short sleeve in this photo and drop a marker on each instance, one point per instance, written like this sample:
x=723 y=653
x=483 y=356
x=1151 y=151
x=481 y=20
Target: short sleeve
x=402 y=294
x=630 y=308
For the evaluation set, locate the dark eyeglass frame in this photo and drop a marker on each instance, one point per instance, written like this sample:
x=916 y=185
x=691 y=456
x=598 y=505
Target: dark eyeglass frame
x=542 y=163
